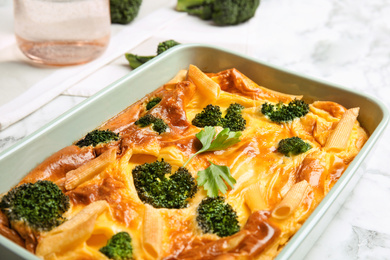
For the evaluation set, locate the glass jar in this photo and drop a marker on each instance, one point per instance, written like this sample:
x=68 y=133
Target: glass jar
x=62 y=32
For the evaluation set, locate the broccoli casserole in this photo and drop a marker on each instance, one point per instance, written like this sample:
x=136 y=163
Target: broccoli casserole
x=208 y=166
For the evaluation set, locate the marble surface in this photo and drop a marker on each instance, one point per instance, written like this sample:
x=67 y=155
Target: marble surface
x=346 y=42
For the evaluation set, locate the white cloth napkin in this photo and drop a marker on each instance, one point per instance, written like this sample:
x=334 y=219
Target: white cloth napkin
x=114 y=70
x=60 y=80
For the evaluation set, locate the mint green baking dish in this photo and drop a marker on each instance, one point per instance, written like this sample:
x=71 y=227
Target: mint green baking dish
x=19 y=159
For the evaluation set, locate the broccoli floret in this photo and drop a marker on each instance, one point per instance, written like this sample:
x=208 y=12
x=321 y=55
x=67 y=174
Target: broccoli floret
x=233 y=118
x=293 y=146
x=156 y=185
x=118 y=247
x=39 y=205
x=152 y=103
x=124 y=11
x=158 y=124
x=145 y=121
x=186 y=186
x=98 y=136
x=135 y=61
x=217 y=217
x=222 y=12
x=283 y=113
x=165 y=45
x=210 y=116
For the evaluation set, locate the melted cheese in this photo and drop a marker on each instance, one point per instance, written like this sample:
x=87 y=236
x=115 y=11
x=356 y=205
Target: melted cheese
x=253 y=161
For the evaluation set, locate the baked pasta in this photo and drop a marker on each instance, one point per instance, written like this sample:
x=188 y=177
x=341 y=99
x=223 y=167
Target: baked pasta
x=208 y=166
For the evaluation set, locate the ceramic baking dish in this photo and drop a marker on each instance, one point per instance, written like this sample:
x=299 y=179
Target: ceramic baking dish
x=19 y=159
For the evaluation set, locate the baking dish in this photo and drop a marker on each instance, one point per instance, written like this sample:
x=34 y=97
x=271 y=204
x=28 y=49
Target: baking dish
x=19 y=159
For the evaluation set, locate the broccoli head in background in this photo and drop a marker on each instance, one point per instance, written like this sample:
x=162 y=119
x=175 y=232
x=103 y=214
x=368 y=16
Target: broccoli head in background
x=216 y=216
x=222 y=12
x=118 y=247
x=96 y=137
x=156 y=185
x=39 y=205
x=124 y=11
x=163 y=46
x=135 y=61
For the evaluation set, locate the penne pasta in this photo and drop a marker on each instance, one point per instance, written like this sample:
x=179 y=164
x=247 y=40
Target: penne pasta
x=205 y=85
x=72 y=232
x=254 y=197
x=291 y=201
x=338 y=138
x=180 y=76
x=124 y=163
x=152 y=232
x=61 y=182
x=153 y=148
x=262 y=92
x=234 y=241
x=322 y=130
x=89 y=170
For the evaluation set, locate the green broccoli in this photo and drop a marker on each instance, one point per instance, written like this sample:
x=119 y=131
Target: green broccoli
x=222 y=12
x=39 y=205
x=152 y=103
x=156 y=185
x=124 y=11
x=284 y=113
x=217 y=217
x=118 y=247
x=135 y=61
x=145 y=120
x=293 y=146
x=233 y=118
x=166 y=45
x=98 y=136
x=158 y=124
x=210 y=116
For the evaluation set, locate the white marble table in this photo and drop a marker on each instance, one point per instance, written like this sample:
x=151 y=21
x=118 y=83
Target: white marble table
x=346 y=42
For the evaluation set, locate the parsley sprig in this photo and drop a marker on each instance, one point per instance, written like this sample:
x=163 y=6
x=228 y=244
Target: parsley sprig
x=223 y=140
x=212 y=178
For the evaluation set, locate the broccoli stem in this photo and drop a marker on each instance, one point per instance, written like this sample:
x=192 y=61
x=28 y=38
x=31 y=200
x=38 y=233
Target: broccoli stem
x=183 y=5
x=135 y=61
